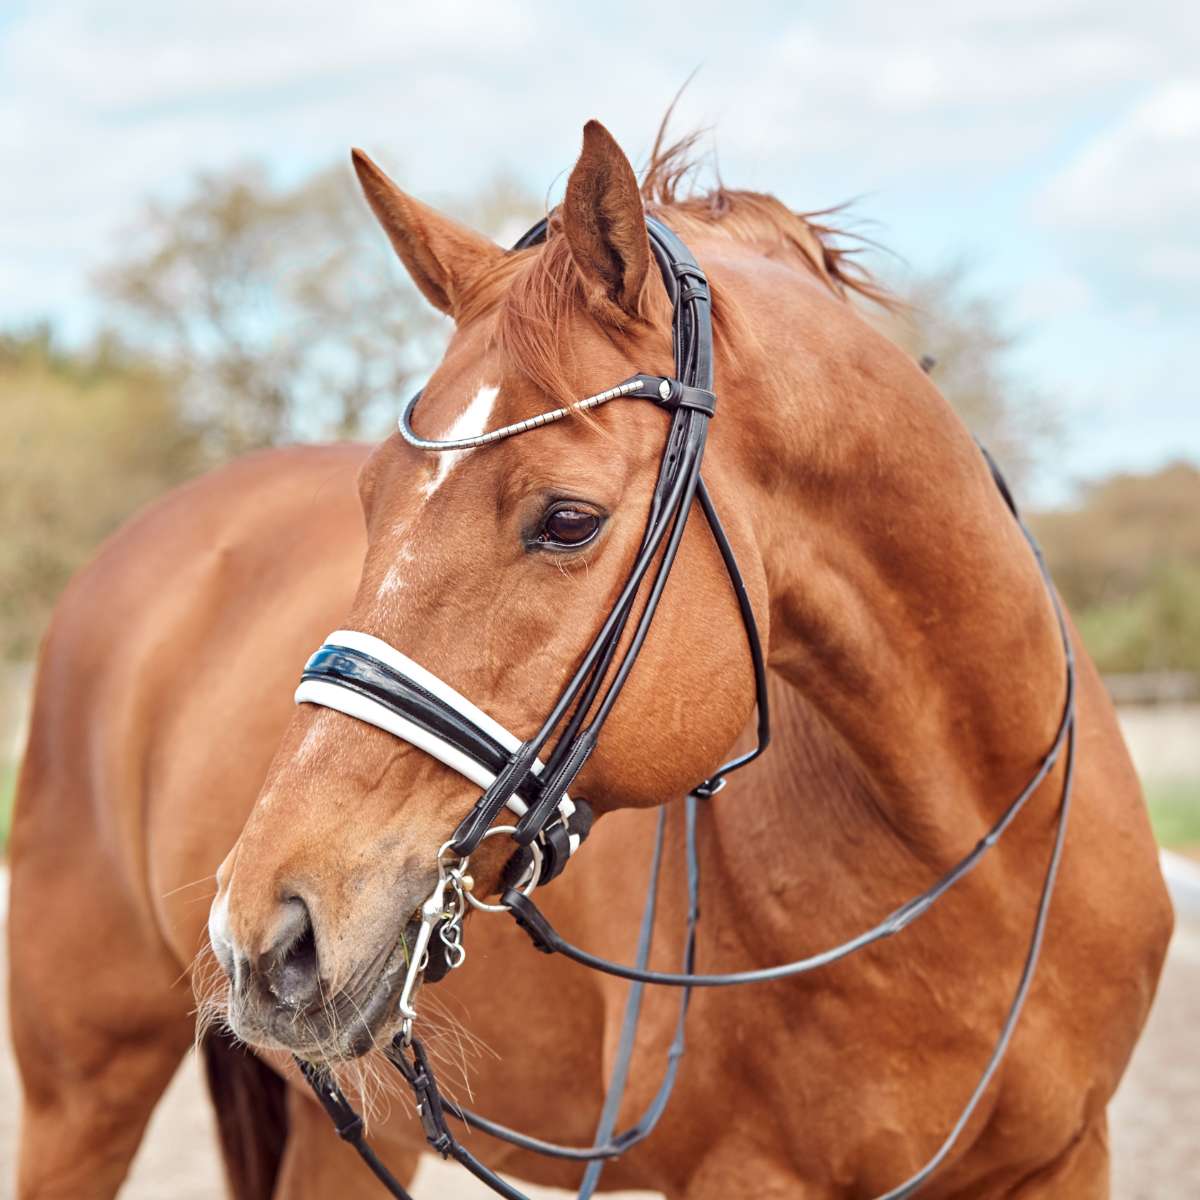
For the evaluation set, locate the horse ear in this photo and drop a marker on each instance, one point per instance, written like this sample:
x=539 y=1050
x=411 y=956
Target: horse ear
x=605 y=226
x=443 y=257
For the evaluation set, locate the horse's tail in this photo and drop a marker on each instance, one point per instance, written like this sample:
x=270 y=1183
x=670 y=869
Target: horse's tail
x=251 y=1106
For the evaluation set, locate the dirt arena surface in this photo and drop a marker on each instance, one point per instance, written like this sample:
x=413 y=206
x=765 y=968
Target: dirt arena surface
x=1154 y=1121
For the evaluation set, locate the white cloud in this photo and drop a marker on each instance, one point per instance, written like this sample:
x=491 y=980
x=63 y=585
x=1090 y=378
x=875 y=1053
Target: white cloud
x=103 y=102
x=976 y=67
x=1050 y=296
x=1129 y=200
x=117 y=57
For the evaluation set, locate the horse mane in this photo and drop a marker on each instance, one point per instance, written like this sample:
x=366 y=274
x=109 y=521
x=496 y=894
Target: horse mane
x=537 y=294
x=828 y=251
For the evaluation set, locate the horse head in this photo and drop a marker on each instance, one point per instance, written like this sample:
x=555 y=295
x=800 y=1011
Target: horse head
x=491 y=567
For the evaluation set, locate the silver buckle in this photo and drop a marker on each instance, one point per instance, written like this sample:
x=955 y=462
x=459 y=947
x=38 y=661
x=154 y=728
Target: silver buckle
x=447 y=911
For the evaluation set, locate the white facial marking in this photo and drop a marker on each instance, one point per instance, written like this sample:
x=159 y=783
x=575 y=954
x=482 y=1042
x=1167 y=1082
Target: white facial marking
x=394 y=579
x=310 y=742
x=219 y=936
x=471 y=422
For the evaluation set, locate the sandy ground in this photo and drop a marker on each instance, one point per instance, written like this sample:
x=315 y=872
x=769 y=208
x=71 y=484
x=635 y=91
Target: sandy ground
x=1155 y=1119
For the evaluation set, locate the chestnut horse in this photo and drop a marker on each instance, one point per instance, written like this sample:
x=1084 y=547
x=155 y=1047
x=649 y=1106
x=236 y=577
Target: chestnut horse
x=917 y=678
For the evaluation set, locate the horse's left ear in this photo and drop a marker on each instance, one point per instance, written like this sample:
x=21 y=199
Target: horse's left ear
x=443 y=257
x=605 y=226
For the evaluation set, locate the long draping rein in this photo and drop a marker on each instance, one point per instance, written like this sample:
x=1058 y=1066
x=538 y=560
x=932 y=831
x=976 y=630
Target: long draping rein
x=366 y=678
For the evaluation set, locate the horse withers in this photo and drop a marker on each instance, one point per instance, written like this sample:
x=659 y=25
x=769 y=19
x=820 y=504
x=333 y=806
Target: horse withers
x=917 y=681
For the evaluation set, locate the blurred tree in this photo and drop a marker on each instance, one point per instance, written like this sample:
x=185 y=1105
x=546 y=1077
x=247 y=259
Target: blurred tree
x=1124 y=532
x=1126 y=556
x=84 y=440
x=1127 y=560
x=250 y=314
x=282 y=309
x=964 y=332
x=1154 y=629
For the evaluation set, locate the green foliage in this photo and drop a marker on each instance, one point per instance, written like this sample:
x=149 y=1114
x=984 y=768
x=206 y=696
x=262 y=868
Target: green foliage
x=84 y=440
x=8 y=787
x=1174 y=806
x=1127 y=560
x=1124 y=531
x=279 y=318
x=1156 y=629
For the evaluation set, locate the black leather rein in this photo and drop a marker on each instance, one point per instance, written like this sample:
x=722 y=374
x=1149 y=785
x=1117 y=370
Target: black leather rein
x=373 y=682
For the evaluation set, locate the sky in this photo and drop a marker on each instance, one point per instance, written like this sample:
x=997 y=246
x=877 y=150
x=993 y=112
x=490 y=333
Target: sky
x=1052 y=145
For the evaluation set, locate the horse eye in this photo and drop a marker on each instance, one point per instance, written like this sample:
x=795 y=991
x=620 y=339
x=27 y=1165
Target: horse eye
x=568 y=527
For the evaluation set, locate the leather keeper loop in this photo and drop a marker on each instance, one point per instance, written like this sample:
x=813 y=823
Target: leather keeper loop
x=529 y=917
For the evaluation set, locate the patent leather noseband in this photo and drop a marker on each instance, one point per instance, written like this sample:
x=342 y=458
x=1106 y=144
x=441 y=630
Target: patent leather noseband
x=369 y=680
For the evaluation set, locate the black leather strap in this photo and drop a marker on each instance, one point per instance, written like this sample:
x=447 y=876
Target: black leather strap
x=546 y=938
x=1001 y=483
x=511 y=779
x=348 y=1124
x=556 y=785
x=671 y=393
x=432 y=1107
x=556 y=851
x=607 y=1144
x=588 y=698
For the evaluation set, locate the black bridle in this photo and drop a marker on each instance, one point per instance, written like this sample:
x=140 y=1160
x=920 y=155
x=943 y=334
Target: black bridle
x=375 y=683
x=690 y=400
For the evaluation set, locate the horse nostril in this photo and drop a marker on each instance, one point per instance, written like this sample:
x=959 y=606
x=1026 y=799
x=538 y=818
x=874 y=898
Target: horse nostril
x=290 y=967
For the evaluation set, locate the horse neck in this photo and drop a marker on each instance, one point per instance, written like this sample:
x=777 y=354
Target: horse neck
x=907 y=612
